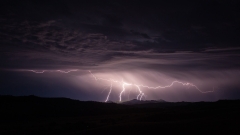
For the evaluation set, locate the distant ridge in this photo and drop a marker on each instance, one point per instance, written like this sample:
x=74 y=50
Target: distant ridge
x=109 y=101
x=135 y=101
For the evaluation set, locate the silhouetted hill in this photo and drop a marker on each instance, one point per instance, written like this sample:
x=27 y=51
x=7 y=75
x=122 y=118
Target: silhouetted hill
x=109 y=101
x=31 y=106
x=63 y=116
x=135 y=101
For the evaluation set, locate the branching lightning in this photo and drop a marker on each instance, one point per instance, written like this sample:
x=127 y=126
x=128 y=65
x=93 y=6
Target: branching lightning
x=123 y=84
x=141 y=94
x=185 y=84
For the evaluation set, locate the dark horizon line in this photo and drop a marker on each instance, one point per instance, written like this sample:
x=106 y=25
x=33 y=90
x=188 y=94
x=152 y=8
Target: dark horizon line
x=117 y=102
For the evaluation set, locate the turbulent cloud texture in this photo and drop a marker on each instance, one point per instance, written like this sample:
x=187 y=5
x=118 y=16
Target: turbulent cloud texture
x=146 y=42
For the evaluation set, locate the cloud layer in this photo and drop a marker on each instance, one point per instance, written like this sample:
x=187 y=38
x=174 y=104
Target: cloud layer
x=189 y=41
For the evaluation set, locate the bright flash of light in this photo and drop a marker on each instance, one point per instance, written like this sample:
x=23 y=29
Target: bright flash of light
x=123 y=83
x=141 y=94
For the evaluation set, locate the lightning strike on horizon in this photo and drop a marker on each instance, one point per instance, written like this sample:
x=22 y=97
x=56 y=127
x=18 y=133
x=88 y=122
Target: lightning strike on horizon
x=110 y=90
x=123 y=89
x=123 y=84
x=141 y=94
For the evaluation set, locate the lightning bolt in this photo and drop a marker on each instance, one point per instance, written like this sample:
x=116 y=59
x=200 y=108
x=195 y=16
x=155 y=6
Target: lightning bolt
x=184 y=84
x=43 y=71
x=123 y=83
x=123 y=89
x=38 y=72
x=141 y=94
x=110 y=90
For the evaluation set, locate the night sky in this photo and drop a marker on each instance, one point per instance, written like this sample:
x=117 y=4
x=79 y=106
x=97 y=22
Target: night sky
x=150 y=43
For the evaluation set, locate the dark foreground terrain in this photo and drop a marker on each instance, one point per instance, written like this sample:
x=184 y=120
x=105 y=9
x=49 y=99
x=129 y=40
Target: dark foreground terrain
x=34 y=115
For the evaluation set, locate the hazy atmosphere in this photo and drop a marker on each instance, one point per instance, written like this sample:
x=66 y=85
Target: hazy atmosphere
x=121 y=50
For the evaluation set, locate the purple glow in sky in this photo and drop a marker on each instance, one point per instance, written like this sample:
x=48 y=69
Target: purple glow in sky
x=49 y=51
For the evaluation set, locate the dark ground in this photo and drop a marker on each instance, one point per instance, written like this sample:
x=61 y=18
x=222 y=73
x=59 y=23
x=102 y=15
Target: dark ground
x=34 y=115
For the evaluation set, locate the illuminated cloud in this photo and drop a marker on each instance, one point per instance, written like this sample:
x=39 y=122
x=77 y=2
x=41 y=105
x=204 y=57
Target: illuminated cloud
x=145 y=43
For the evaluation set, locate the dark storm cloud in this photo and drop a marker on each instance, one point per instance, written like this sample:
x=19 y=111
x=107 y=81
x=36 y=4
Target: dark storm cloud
x=144 y=35
x=91 y=32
